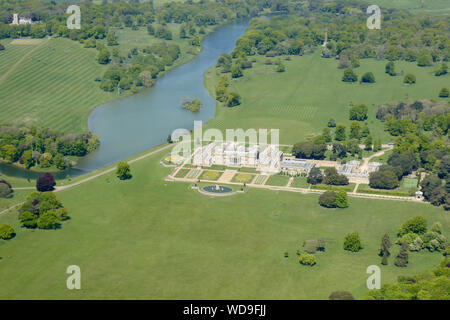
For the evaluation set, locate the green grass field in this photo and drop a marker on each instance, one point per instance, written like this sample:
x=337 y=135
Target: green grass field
x=148 y=238
x=407 y=188
x=54 y=86
x=300 y=101
x=182 y=173
x=52 y=83
x=300 y=182
x=277 y=180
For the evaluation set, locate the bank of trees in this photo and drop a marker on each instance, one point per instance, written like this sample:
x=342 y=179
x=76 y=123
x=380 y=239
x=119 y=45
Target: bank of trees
x=427 y=285
x=42 y=210
x=348 y=38
x=421 y=132
x=143 y=65
x=34 y=146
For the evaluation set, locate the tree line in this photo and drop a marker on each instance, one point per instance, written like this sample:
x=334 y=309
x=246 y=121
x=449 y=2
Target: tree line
x=34 y=146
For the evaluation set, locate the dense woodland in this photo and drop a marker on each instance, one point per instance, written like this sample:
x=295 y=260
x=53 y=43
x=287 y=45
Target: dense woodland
x=420 y=129
x=417 y=38
x=33 y=146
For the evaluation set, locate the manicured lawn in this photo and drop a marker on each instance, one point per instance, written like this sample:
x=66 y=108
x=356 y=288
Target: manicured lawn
x=408 y=183
x=348 y=188
x=260 y=179
x=249 y=170
x=301 y=100
x=277 y=180
x=210 y=175
x=193 y=173
x=242 y=178
x=149 y=238
x=55 y=84
x=364 y=188
x=182 y=173
x=300 y=182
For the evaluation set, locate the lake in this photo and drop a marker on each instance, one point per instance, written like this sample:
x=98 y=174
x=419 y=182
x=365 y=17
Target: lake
x=140 y=122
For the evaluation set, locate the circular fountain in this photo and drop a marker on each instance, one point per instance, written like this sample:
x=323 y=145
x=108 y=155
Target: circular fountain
x=217 y=190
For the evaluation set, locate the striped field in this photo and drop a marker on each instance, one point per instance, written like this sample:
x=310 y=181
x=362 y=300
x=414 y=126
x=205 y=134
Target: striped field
x=50 y=84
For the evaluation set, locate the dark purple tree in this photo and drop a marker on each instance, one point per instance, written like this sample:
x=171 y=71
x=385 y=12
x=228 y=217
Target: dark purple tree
x=46 y=182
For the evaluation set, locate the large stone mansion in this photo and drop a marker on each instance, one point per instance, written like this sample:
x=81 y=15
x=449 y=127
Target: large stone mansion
x=269 y=159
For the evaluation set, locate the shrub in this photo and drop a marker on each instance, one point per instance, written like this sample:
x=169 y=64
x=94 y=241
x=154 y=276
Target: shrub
x=352 y=242
x=409 y=78
x=442 y=70
x=444 y=93
x=61 y=214
x=5 y=190
x=358 y=112
x=234 y=99
x=424 y=60
x=368 y=77
x=328 y=199
x=402 y=258
x=333 y=178
x=349 y=76
x=28 y=219
x=341 y=199
x=341 y=295
x=314 y=176
x=48 y=220
x=417 y=225
x=390 y=68
x=123 y=171
x=280 y=68
x=236 y=71
x=6 y=231
x=307 y=259
x=384 y=178
x=331 y=123
x=46 y=182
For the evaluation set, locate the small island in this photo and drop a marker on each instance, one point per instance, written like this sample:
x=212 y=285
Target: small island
x=190 y=104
